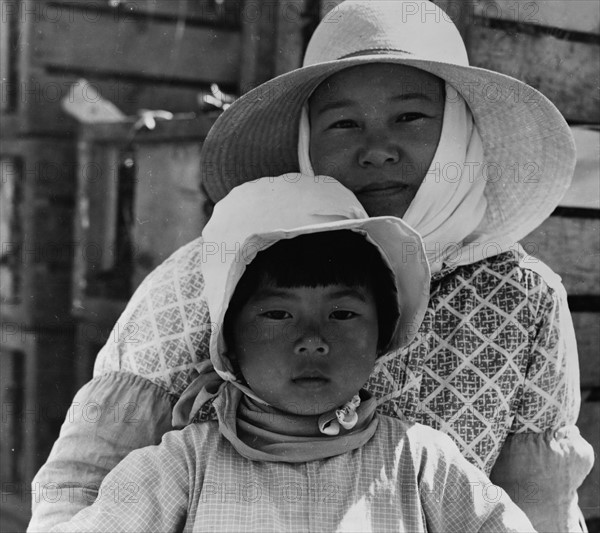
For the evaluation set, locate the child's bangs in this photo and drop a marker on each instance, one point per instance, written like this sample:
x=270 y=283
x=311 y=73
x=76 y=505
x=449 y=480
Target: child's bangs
x=317 y=260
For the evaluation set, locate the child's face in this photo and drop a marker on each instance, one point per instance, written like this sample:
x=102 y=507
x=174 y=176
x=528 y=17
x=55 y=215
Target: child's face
x=376 y=128
x=306 y=350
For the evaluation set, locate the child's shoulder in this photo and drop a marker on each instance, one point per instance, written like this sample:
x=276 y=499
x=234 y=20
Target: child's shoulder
x=422 y=441
x=197 y=439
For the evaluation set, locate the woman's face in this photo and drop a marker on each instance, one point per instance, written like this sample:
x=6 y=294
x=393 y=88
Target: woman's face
x=376 y=128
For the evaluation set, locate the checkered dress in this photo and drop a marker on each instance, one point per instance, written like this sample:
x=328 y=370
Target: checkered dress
x=406 y=478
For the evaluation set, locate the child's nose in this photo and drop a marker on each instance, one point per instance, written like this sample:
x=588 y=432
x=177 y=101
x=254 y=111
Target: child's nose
x=311 y=342
x=378 y=151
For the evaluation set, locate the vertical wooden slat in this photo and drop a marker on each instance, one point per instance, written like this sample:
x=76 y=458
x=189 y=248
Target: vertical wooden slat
x=11 y=235
x=459 y=13
x=257 y=43
x=328 y=6
x=589 y=425
x=11 y=391
x=290 y=38
x=6 y=29
x=168 y=202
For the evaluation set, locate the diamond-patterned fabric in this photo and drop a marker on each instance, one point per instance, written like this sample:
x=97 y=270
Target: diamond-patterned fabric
x=495 y=354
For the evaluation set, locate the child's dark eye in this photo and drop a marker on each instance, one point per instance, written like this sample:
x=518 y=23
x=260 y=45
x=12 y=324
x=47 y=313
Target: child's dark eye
x=276 y=315
x=343 y=124
x=340 y=314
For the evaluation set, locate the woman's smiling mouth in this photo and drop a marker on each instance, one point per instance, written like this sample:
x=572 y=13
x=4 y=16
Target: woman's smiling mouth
x=382 y=188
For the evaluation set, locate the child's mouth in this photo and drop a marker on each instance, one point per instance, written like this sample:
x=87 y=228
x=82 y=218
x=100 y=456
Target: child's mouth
x=310 y=382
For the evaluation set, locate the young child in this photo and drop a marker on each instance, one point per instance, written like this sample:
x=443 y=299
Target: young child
x=387 y=104
x=298 y=445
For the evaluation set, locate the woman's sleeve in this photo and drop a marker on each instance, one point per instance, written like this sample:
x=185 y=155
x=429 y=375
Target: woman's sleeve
x=147 y=491
x=458 y=497
x=139 y=374
x=544 y=459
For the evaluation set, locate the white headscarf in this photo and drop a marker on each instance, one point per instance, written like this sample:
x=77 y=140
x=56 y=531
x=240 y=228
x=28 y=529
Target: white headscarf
x=450 y=203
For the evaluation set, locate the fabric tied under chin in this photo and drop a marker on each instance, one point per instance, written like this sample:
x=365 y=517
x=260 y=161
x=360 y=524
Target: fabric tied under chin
x=263 y=433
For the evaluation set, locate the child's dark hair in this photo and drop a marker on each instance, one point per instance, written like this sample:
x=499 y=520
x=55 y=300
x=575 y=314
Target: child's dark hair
x=341 y=257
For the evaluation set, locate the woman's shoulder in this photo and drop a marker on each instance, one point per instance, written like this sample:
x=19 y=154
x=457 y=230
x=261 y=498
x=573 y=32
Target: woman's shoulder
x=513 y=270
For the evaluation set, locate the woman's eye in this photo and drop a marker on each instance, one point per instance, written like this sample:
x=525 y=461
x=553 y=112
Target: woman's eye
x=409 y=117
x=343 y=315
x=276 y=315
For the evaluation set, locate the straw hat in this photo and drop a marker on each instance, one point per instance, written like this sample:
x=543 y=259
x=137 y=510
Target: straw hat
x=529 y=152
x=258 y=214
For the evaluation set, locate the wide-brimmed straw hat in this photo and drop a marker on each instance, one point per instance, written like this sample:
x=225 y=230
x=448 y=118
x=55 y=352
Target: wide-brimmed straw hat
x=529 y=153
x=258 y=214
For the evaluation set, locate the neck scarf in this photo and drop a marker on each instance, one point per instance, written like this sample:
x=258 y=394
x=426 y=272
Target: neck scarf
x=263 y=433
x=450 y=203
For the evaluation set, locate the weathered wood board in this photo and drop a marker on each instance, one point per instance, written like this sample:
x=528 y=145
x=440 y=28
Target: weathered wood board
x=564 y=71
x=574 y=15
x=37 y=194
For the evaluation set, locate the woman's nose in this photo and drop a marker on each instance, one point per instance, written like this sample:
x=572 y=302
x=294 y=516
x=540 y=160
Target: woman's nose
x=311 y=342
x=378 y=151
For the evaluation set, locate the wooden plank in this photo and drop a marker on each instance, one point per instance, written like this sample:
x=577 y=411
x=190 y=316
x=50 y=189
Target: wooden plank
x=11 y=403
x=37 y=256
x=137 y=71
x=10 y=228
x=39 y=109
x=587 y=331
x=165 y=157
x=49 y=164
x=585 y=189
x=180 y=128
x=566 y=72
x=459 y=13
x=576 y=15
x=16 y=508
x=95 y=218
x=571 y=247
x=167 y=209
x=328 y=6
x=589 y=425
x=290 y=37
x=226 y=12
x=92 y=41
x=47 y=389
x=101 y=312
x=168 y=202
x=5 y=53
x=258 y=41
x=90 y=337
